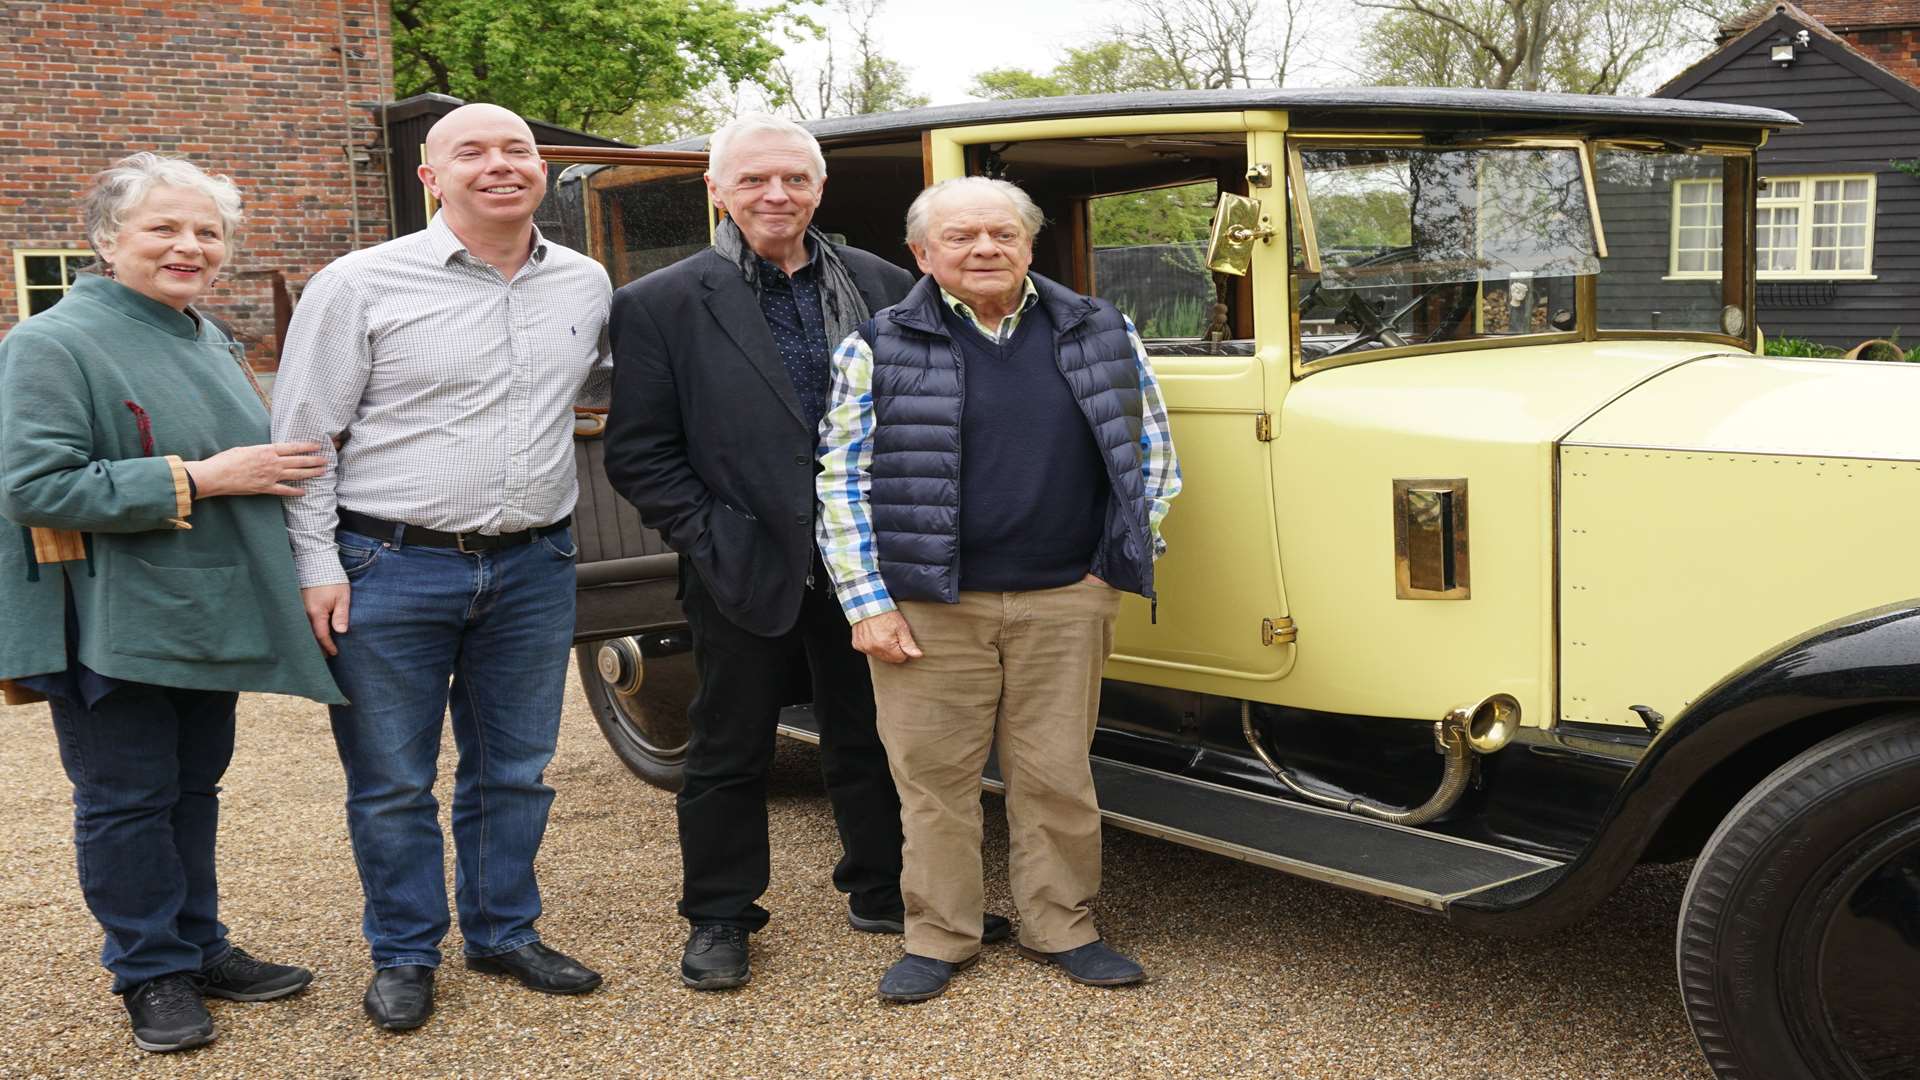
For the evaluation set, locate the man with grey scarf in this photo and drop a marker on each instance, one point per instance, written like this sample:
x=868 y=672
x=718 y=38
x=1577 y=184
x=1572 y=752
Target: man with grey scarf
x=720 y=382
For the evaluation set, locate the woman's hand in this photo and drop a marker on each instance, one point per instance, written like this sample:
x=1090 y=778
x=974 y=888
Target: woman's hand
x=257 y=470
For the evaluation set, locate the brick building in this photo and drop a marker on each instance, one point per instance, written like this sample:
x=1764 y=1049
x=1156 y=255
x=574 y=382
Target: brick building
x=274 y=93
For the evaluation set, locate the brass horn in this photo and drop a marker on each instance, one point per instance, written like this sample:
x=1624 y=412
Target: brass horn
x=1491 y=723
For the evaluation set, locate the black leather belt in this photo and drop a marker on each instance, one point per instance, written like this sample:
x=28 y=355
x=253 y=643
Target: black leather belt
x=379 y=529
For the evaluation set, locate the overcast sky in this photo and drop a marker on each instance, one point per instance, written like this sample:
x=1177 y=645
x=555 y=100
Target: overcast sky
x=945 y=43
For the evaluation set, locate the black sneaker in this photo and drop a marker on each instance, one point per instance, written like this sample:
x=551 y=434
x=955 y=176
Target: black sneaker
x=168 y=1014
x=242 y=978
x=715 y=958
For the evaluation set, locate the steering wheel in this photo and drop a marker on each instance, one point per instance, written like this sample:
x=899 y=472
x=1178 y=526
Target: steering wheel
x=1376 y=327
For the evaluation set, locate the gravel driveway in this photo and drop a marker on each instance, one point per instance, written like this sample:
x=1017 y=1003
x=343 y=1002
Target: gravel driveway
x=1254 y=973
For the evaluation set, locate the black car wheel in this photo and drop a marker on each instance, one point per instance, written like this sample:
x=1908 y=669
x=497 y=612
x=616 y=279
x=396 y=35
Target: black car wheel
x=639 y=688
x=1799 y=938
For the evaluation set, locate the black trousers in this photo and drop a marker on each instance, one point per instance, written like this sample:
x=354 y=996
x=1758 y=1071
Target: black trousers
x=723 y=807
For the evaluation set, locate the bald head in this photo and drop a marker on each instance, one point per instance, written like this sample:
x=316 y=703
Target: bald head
x=482 y=165
x=469 y=121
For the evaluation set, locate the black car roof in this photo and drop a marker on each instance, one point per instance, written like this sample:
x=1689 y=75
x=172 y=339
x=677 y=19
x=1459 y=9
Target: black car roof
x=1311 y=107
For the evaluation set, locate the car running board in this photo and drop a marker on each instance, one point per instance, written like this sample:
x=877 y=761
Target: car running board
x=1413 y=866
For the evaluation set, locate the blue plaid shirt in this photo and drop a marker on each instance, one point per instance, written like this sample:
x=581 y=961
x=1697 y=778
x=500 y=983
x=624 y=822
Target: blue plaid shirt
x=845 y=526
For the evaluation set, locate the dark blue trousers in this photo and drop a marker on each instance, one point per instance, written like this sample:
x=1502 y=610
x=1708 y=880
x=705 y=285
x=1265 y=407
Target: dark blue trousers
x=146 y=763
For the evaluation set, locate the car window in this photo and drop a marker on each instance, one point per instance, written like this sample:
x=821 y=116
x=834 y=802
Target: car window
x=1128 y=220
x=1400 y=246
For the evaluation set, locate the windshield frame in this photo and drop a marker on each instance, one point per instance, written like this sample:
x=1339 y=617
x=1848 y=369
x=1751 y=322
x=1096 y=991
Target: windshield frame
x=1304 y=260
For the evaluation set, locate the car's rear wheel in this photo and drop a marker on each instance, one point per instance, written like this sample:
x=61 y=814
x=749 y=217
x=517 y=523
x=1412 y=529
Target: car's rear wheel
x=639 y=687
x=1799 y=937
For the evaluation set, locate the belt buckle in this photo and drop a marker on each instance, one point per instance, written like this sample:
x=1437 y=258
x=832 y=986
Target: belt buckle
x=460 y=542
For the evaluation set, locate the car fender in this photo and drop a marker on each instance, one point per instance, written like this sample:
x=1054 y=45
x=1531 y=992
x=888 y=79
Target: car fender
x=1701 y=761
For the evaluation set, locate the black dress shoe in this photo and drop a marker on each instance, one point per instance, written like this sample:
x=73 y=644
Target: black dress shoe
x=400 y=998
x=538 y=968
x=168 y=1014
x=715 y=958
x=992 y=927
x=242 y=978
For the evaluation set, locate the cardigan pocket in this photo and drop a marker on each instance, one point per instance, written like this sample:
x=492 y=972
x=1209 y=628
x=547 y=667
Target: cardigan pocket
x=183 y=613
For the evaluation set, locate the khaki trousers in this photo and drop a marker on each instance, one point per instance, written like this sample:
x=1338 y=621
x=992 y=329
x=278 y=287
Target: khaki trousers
x=1020 y=670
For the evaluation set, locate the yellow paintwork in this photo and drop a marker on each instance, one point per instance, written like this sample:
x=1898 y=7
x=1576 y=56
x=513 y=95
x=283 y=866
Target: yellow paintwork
x=1788 y=499
x=1672 y=569
x=1816 y=408
x=1491 y=416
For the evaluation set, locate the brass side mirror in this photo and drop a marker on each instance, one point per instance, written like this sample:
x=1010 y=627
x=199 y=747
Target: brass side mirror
x=1237 y=223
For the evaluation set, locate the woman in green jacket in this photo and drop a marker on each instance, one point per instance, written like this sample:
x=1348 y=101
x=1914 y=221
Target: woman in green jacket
x=147 y=578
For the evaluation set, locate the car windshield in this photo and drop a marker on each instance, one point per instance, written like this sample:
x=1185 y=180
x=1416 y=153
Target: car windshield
x=1409 y=245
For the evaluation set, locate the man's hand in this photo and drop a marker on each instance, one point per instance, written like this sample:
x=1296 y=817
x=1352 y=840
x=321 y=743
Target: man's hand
x=886 y=637
x=1093 y=579
x=327 y=612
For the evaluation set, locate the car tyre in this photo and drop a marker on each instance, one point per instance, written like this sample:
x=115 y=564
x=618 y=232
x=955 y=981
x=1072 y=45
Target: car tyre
x=1799 y=934
x=643 y=719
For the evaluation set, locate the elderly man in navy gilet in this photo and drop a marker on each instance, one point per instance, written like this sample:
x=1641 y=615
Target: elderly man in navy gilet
x=996 y=464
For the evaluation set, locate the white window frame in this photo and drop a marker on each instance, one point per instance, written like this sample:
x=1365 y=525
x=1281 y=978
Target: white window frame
x=20 y=287
x=1716 y=186
x=1803 y=257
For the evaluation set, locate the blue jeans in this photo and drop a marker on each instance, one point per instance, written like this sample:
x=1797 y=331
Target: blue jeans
x=497 y=627
x=146 y=763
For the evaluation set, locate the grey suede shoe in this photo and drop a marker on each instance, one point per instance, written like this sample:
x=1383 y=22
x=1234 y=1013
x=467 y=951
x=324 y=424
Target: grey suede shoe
x=1093 y=964
x=917 y=978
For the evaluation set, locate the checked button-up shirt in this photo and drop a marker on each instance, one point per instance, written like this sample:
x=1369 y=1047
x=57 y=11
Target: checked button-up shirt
x=455 y=388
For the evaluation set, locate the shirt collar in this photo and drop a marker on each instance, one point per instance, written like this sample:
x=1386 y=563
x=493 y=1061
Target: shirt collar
x=807 y=267
x=445 y=245
x=1029 y=297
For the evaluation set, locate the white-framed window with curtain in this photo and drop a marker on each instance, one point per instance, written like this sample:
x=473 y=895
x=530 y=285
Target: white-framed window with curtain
x=1695 y=240
x=1818 y=227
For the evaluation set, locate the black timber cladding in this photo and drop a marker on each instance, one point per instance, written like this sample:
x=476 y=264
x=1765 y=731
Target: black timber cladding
x=407 y=123
x=1858 y=118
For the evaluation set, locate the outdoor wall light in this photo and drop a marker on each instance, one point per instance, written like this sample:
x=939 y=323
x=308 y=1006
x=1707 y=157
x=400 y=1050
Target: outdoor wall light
x=1783 y=54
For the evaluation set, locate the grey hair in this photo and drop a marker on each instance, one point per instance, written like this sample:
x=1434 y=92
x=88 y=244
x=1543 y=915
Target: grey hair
x=116 y=190
x=757 y=123
x=920 y=213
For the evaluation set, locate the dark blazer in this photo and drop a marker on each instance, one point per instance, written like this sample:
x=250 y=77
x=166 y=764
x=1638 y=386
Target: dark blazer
x=706 y=437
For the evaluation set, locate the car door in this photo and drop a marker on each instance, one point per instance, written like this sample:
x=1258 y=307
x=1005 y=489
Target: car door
x=1127 y=200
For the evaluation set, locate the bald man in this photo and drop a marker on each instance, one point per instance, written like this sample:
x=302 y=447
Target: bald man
x=434 y=555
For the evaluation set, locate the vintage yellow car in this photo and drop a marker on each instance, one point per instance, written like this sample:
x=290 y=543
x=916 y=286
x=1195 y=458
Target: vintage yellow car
x=1504 y=562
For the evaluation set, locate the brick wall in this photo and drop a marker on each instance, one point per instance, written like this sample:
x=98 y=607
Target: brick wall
x=251 y=88
x=1896 y=50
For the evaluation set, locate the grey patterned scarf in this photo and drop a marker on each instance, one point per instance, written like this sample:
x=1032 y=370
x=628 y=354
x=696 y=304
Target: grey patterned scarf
x=842 y=305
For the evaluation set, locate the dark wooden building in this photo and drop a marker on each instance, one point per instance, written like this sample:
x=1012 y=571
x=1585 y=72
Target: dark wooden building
x=1838 y=223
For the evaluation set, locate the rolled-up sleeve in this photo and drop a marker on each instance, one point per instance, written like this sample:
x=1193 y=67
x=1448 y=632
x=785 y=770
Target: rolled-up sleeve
x=323 y=375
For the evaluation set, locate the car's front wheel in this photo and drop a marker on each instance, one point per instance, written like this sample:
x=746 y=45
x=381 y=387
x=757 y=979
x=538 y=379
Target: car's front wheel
x=639 y=687
x=1799 y=936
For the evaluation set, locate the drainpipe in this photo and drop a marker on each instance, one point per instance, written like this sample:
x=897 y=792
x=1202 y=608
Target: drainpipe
x=384 y=65
x=346 y=121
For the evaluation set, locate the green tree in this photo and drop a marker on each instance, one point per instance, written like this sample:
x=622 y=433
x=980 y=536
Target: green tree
x=1577 y=46
x=589 y=64
x=1109 y=66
